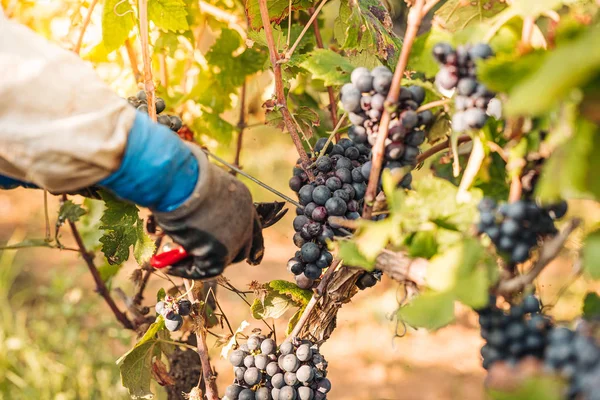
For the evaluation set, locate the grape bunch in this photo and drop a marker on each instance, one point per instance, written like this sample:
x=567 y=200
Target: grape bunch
x=459 y=71
x=173 y=311
x=514 y=334
x=364 y=100
x=139 y=101
x=515 y=228
x=337 y=191
x=574 y=357
x=294 y=371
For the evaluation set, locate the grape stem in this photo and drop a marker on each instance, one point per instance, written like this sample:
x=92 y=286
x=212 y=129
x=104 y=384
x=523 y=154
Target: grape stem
x=548 y=252
x=415 y=15
x=433 y=104
x=279 y=91
x=240 y=126
x=144 y=35
x=86 y=22
x=440 y=147
x=133 y=61
x=100 y=285
x=208 y=375
x=332 y=102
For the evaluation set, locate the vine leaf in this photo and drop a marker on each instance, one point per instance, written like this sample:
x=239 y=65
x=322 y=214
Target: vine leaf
x=349 y=252
x=294 y=320
x=276 y=298
x=116 y=23
x=456 y=15
x=327 y=65
x=213 y=126
x=136 y=370
x=591 y=306
x=308 y=119
x=144 y=246
x=430 y=310
x=69 y=211
x=278 y=10
x=591 y=254
x=367 y=25
x=169 y=15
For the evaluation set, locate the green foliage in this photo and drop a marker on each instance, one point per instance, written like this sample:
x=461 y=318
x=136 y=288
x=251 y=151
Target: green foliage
x=429 y=310
x=278 y=297
x=122 y=229
x=117 y=22
x=169 y=15
x=278 y=10
x=545 y=388
x=328 y=66
x=366 y=26
x=69 y=211
x=456 y=15
x=591 y=306
x=591 y=254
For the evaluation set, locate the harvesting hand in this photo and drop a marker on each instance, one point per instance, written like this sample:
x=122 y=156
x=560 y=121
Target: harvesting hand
x=63 y=129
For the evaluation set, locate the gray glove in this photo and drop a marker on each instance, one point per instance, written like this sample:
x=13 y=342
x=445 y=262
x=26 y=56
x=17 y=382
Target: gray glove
x=217 y=225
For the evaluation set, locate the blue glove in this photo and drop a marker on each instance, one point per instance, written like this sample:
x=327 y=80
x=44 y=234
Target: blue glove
x=10 y=183
x=158 y=170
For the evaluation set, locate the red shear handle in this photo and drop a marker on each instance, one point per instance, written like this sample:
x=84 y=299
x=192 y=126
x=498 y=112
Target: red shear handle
x=168 y=258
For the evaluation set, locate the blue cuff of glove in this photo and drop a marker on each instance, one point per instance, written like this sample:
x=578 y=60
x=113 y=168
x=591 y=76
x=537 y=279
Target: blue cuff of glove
x=10 y=183
x=158 y=169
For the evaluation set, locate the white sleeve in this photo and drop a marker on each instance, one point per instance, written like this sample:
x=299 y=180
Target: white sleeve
x=61 y=126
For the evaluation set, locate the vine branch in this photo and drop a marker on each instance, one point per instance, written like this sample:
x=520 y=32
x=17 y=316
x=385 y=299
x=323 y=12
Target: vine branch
x=415 y=15
x=86 y=22
x=100 y=285
x=133 y=61
x=148 y=82
x=441 y=146
x=240 y=126
x=279 y=92
x=208 y=375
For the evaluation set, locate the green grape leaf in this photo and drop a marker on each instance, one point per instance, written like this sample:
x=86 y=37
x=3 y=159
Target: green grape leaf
x=430 y=310
x=534 y=8
x=423 y=244
x=456 y=15
x=572 y=169
x=299 y=296
x=505 y=72
x=367 y=25
x=89 y=224
x=278 y=10
x=332 y=68
x=213 y=126
x=169 y=15
x=349 y=252
x=272 y=305
x=583 y=54
x=160 y=295
x=152 y=331
x=591 y=254
x=108 y=271
x=293 y=321
x=69 y=211
x=208 y=93
x=221 y=58
x=308 y=120
x=119 y=222
x=144 y=246
x=591 y=306
x=136 y=370
x=372 y=237
x=117 y=22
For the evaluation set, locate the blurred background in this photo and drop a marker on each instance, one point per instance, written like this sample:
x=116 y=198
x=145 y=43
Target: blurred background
x=59 y=340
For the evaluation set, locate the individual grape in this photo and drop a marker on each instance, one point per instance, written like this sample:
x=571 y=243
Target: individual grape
x=324 y=164
x=466 y=86
x=321 y=194
x=272 y=369
x=299 y=222
x=304 y=282
x=321 y=144
x=365 y=281
x=287 y=393
x=295 y=183
x=305 y=393
x=305 y=374
x=261 y=361
x=249 y=361
x=239 y=373
x=252 y=376
x=268 y=346
x=164 y=120
x=441 y=51
x=344 y=175
x=143 y=108
x=324 y=386
x=159 y=307
x=304 y=352
x=446 y=79
x=275 y=393
x=246 y=394
x=312 y=271
x=480 y=51
x=141 y=95
x=233 y=391
x=176 y=123
x=277 y=380
x=262 y=393
x=173 y=322
x=290 y=378
x=475 y=118
x=336 y=207
x=290 y=363
x=236 y=358
x=382 y=80
x=286 y=348
x=350 y=98
x=362 y=79
x=305 y=194
x=184 y=306
x=253 y=342
x=160 y=105
x=309 y=208
x=310 y=252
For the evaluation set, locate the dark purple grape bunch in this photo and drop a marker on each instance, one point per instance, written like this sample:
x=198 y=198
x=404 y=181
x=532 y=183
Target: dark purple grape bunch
x=575 y=357
x=459 y=71
x=140 y=102
x=294 y=371
x=364 y=100
x=337 y=191
x=514 y=334
x=173 y=311
x=515 y=228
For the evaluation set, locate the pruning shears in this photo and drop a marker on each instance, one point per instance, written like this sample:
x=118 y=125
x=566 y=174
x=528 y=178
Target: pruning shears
x=268 y=213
